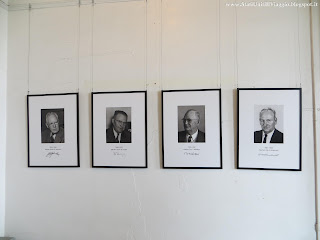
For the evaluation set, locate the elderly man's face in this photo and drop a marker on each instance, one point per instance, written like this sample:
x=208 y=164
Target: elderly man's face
x=53 y=124
x=191 y=122
x=119 y=123
x=267 y=121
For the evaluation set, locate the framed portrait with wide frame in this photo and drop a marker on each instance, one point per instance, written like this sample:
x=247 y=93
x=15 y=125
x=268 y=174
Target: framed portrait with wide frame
x=119 y=129
x=53 y=130
x=191 y=129
x=269 y=128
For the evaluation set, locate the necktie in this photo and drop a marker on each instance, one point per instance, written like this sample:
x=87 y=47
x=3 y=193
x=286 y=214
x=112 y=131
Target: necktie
x=265 y=138
x=189 y=138
x=118 y=138
x=52 y=138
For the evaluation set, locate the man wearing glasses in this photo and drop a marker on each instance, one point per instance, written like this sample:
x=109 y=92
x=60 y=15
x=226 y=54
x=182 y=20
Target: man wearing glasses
x=54 y=133
x=191 y=133
x=117 y=132
x=269 y=133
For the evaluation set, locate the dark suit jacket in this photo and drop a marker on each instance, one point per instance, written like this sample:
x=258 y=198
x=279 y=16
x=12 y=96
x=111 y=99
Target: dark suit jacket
x=45 y=136
x=277 y=137
x=182 y=136
x=125 y=136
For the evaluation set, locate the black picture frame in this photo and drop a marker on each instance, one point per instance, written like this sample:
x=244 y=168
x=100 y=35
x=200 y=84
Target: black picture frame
x=41 y=152
x=207 y=101
x=282 y=152
x=107 y=153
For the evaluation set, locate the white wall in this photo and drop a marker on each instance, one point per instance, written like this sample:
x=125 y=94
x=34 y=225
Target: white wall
x=3 y=88
x=189 y=44
x=316 y=85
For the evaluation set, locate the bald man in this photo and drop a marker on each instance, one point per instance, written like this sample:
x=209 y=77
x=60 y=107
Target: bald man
x=191 y=133
x=268 y=132
x=54 y=133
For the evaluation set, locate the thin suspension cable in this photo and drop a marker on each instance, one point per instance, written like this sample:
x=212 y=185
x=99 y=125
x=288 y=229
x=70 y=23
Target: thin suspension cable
x=160 y=47
x=92 y=39
x=236 y=45
x=298 y=19
x=29 y=46
x=219 y=46
x=146 y=45
x=78 y=67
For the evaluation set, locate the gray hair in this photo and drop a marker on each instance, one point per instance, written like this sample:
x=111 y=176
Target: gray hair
x=49 y=114
x=269 y=109
x=193 y=110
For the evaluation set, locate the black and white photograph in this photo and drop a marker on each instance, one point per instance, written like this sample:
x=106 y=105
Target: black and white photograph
x=53 y=132
x=119 y=129
x=268 y=124
x=269 y=129
x=191 y=124
x=191 y=128
x=118 y=125
x=52 y=125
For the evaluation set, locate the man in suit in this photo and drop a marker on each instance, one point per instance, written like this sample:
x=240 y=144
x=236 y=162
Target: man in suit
x=191 y=133
x=117 y=132
x=269 y=133
x=54 y=133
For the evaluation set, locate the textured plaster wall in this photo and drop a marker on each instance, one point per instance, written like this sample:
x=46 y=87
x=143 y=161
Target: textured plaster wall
x=176 y=44
x=3 y=87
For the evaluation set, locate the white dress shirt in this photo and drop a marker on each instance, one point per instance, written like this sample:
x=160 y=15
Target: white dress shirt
x=269 y=136
x=193 y=136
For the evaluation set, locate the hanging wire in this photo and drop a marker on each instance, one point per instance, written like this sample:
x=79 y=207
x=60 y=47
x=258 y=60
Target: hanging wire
x=92 y=25
x=236 y=45
x=29 y=45
x=146 y=46
x=298 y=19
x=160 y=47
x=78 y=67
x=219 y=46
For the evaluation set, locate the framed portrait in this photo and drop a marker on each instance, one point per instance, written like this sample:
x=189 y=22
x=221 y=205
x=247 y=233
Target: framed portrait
x=269 y=129
x=191 y=128
x=119 y=129
x=53 y=130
